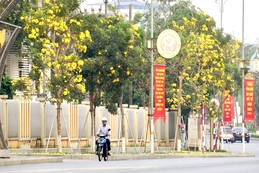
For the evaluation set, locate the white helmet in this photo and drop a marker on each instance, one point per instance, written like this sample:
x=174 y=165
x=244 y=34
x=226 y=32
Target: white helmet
x=104 y=119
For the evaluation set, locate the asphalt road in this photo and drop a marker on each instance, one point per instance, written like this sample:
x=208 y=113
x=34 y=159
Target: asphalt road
x=180 y=165
x=252 y=147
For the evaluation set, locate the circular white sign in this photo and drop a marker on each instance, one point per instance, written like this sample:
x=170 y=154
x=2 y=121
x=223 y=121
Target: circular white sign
x=215 y=101
x=168 y=43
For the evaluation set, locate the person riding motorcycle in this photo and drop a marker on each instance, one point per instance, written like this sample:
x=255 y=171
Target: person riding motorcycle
x=103 y=129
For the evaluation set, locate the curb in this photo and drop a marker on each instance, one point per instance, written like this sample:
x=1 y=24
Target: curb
x=117 y=157
x=160 y=156
x=155 y=156
x=21 y=160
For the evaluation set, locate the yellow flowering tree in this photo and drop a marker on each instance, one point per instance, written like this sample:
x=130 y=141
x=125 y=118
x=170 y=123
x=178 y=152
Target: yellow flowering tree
x=200 y=64
x=55 y=38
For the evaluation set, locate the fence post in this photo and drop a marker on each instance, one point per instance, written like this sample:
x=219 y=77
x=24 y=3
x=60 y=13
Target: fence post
x=135 y=122
x=157 y=131
x=42 y=122
x=88 y=122
x=4 y=116
x=19 y=130
x=69 y=131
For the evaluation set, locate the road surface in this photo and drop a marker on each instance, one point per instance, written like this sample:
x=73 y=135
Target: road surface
x=177 y=165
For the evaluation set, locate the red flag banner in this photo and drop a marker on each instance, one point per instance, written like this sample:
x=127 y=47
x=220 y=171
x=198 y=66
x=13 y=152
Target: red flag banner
x=159 y=91
x=249 y=100
x=228 y=108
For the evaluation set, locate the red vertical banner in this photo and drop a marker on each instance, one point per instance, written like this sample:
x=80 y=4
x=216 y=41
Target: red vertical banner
x=228 y=108
x=159 y=91
x=249 y=100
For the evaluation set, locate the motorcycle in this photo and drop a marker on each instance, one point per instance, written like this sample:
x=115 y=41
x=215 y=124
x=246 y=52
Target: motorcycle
x=102 y=147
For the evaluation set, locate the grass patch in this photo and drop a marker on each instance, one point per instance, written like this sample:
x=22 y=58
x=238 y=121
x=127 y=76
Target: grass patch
x=133 y=145
x=87 y=146
x=221 y=151
x=252 y=130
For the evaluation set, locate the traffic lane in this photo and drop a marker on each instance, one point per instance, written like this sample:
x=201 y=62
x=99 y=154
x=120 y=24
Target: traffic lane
x=223 y=167
x=251 y=147
x=201 y=165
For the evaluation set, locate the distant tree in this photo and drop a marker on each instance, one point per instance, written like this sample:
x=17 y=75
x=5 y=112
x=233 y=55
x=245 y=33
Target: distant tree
x=6 y=87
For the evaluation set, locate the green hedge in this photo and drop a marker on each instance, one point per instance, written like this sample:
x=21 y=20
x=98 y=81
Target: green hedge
x=255 y=135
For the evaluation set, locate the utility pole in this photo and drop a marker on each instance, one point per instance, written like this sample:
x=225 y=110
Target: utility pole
x=105 y=2
x=221 y=4
x=221 y=13
x=130 y=85
x=152 y=81
x=243 y=76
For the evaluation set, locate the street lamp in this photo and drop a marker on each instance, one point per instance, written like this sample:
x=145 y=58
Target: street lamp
x=221 y=4
x=105 y=2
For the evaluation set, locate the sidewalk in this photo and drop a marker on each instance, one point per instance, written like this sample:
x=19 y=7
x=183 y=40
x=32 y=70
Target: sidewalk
x=20 y=156
x=21 y=160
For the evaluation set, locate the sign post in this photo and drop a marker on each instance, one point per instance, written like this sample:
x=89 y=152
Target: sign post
x=168 y=46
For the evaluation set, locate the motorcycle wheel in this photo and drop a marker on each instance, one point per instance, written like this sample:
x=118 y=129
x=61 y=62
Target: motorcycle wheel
x=105 y=158
x=99 y=153
x=105 y=154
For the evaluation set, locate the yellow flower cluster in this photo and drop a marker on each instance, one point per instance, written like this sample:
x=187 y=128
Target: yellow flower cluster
x=76 y=22
x=22 y=84
x=116 y=80
x=81 y=87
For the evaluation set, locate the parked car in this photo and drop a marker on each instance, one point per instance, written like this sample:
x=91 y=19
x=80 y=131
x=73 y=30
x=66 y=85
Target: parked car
x=227 y=135
x=237 y=133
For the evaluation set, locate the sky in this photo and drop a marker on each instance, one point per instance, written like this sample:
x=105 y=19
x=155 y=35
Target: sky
x=232 y=17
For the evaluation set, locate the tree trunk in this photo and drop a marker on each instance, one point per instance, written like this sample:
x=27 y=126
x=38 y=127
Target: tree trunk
x=221 y=107
x=3 y=144
x=143 y=98
x=37 y=87
x=92 y=111
x=59 y=127
x=122 y=118
x=257 y=116
x=256 y=119
x=130 y=93
x=123 y=140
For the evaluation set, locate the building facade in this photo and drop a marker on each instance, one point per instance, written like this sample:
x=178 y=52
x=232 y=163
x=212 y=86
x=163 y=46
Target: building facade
x=122 y=6
x=16 y=66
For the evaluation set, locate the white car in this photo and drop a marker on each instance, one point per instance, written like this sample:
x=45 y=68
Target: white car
x=227 y=135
